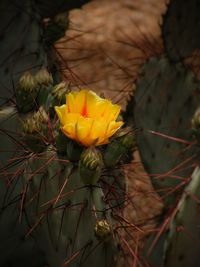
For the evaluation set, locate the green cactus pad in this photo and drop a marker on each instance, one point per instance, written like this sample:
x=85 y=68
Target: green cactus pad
x=22 y=46
x=11 y=138
x=66 y=207
x=183 y=243
x=165 y=101
x=15 y=249
x=181 y=28
x=115 y=187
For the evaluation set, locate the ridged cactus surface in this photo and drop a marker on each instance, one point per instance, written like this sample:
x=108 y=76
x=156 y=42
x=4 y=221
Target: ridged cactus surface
x=69 y=211
x=183 y=241
x=61 y=191
x=22 y=46
x=16 y=250
x=165 y=101
x=181 y=28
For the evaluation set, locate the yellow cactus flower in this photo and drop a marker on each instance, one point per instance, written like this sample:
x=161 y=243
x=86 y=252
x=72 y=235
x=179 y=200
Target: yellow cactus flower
x=88 y=118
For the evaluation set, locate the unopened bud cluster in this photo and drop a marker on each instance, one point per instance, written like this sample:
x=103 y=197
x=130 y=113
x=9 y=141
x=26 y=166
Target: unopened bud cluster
x=27 y=83
x=35 y=123
x=102 y=230
x=123 y=144
x=43 y=77
x=30 y=87
x=59 y=91
x=90 y=166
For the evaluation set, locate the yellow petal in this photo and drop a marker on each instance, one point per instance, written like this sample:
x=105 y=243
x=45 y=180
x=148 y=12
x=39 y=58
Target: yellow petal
x=70 y=102
x=69 y=128
x=83 y=128
x=95 y=105
x=98 y=130
x=112 y=111
x=61 y=112
x=88 y=141
x=80 y=102
x=113 y=127
x=88 y=118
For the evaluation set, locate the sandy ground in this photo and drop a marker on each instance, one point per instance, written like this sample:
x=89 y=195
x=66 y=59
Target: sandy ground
x=103 y=50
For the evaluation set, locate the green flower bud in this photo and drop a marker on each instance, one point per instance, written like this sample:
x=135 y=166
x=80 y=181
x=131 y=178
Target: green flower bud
x=35 y=129
x=123 y=143
x=41 y=116
x=59 y=91
x=27 y=83
x=26 y=93
x=90 y=166
x=128 y=140
x=43 y=77
x=35 y=122
x=102 y=230
x=45 y=84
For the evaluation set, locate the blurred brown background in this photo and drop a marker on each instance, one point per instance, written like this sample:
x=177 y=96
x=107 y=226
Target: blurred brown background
x=107 y=42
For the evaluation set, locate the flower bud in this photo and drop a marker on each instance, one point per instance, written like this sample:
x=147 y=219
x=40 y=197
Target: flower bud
x=27 y=83
x=123 y=143
x=35 y=122
x=90 y=166
x=43 y=77
x=59 y=91
x=26 y=93
x=35 y=130
x=102 y=230
x=45 y=84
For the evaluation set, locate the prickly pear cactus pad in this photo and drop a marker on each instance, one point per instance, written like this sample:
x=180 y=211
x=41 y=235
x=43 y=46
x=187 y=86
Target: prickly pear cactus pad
x=14 y=151
x=61 y=189
x=181 y=29
x=21 y=44
x=26 y=42
x=68 y=213
x=164 y=103
x=15 y=249
x=183 y=242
